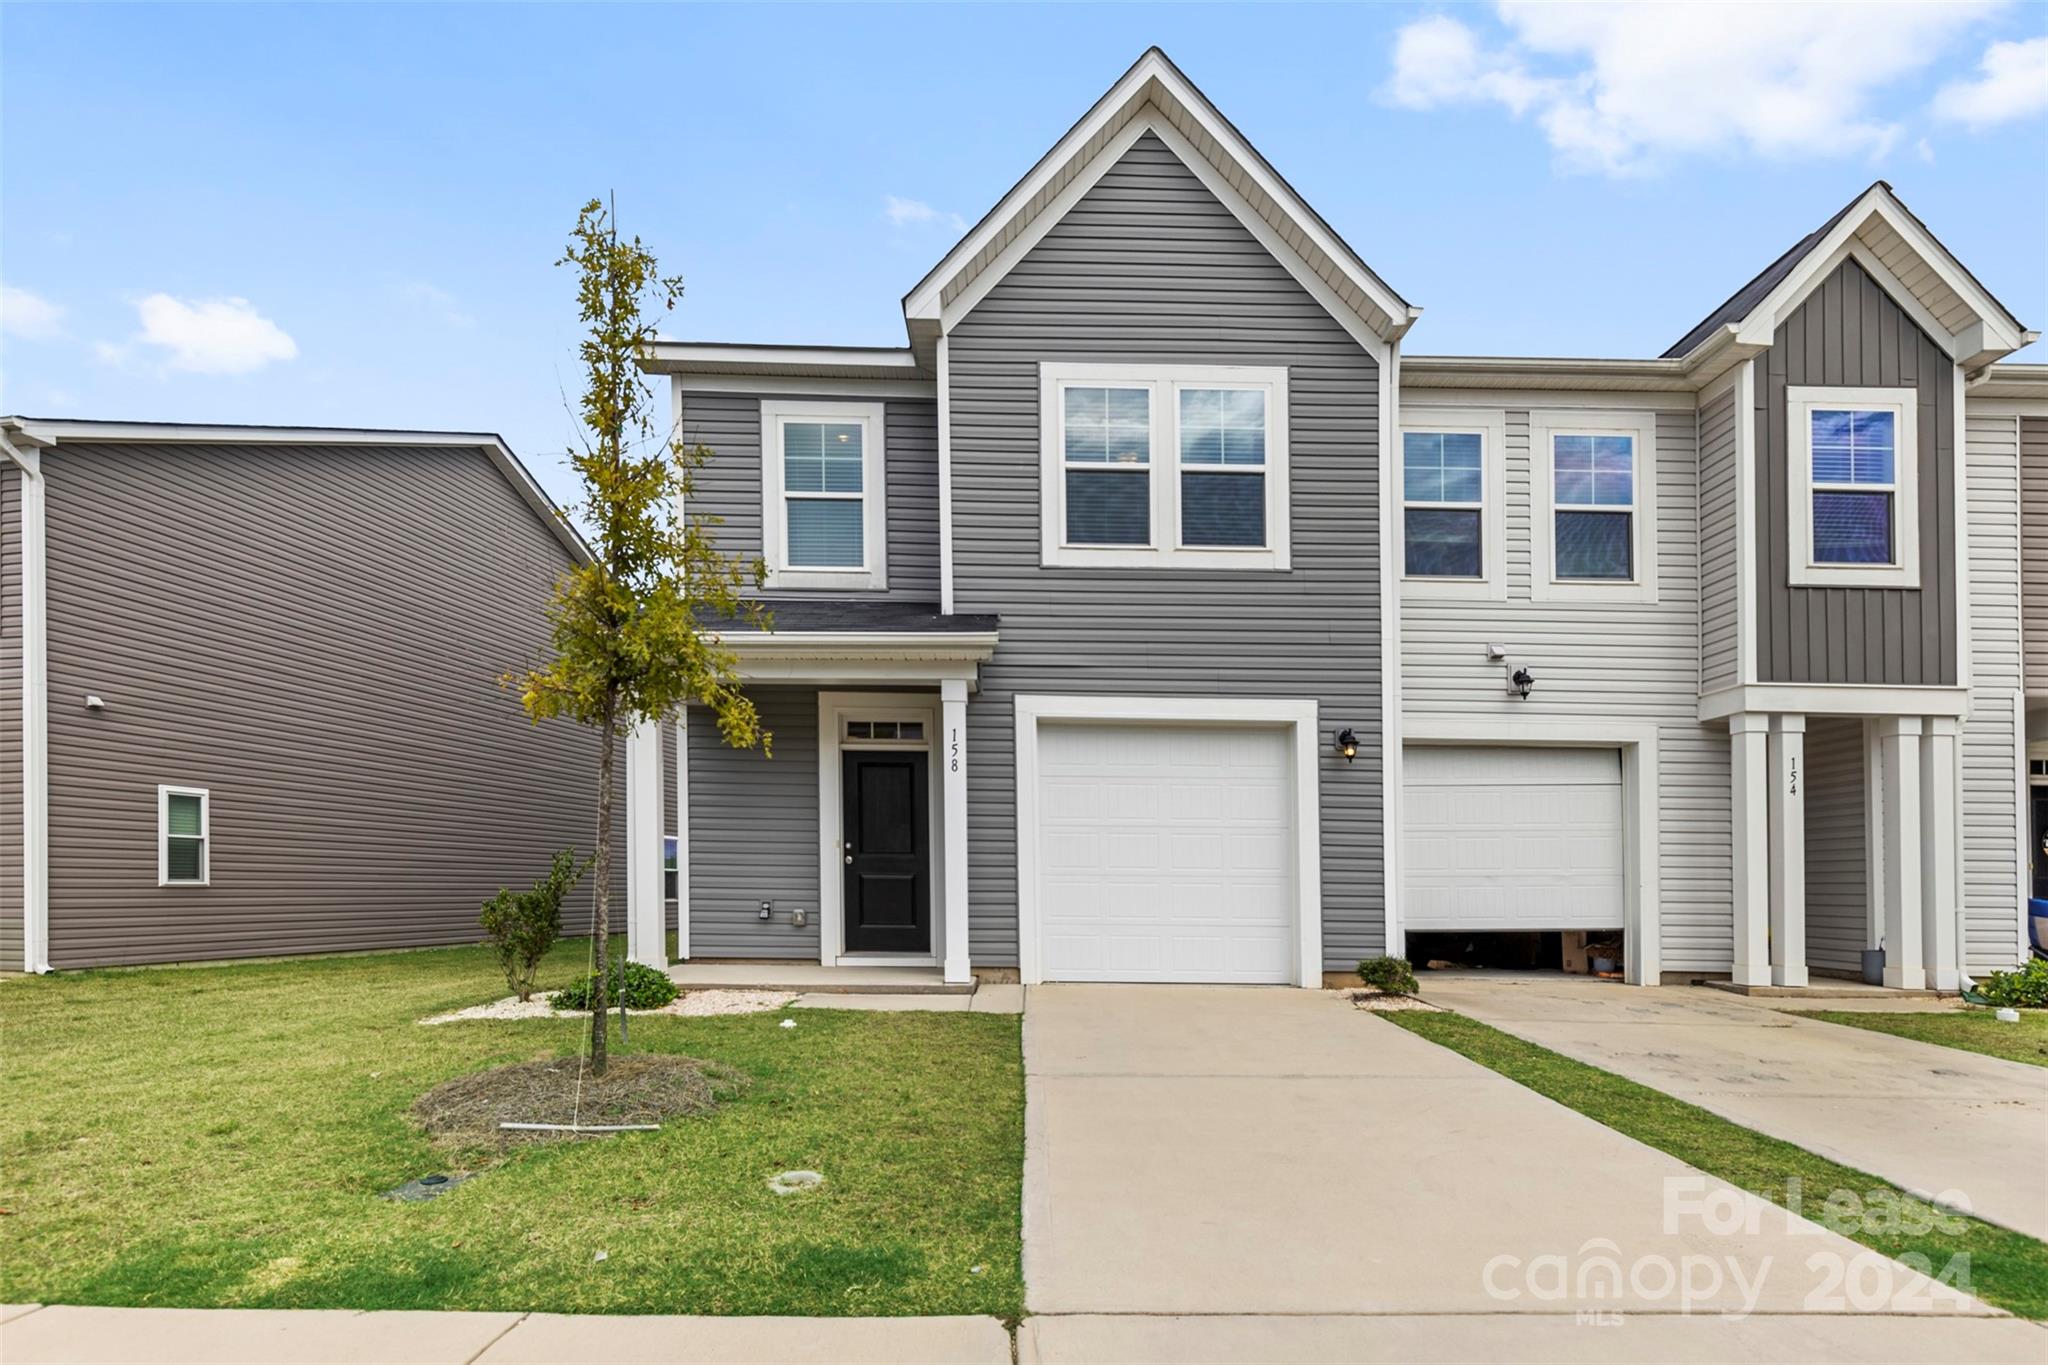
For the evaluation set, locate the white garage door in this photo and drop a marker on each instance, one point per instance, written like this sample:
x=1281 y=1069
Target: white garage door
x=1512 y=838
x=1165 y=853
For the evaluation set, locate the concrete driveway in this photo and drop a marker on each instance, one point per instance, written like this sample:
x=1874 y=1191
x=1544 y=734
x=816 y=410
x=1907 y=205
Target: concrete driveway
x=1216 y=1173
x=1928 y=1118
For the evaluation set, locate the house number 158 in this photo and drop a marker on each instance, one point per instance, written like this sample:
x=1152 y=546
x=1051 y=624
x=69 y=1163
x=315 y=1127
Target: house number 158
x=953 y=751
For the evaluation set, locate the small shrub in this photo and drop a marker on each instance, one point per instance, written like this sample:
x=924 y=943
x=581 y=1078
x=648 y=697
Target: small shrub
x=2023 y=988
x=1391 y=975
x=644 y=987
x=523 y=925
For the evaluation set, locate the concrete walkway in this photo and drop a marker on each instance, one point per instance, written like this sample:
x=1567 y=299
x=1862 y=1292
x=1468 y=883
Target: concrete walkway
x=1927 y=1118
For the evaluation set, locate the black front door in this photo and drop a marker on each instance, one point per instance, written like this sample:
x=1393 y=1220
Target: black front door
x=2040 y=795
x=887 y=852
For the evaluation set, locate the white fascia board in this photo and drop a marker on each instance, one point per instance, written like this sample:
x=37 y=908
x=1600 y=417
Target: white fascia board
x=875 y=362
x=963 y=646
x=802 y=386
x=1835 y=699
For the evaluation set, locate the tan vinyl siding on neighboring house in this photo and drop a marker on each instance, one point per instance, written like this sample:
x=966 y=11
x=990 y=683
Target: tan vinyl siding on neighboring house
x=11 y=950
x=1992 y=753
x=754 y=832
x=1837 y=899
x=729 y=484
x=2033 y=437
x=1720 y=539
x=314 y=634
x=1150 y=267
x=1624 y=661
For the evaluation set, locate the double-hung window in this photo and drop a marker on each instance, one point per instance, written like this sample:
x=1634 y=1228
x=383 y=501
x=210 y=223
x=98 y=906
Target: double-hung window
x=823 y=522
x=1853 y=477
x=1450 y=491
x=1596 y=480
x=183 y=815
x=1168 y=467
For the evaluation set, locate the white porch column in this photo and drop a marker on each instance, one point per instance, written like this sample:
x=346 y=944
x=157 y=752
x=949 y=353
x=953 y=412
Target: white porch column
x=1748 y=738
x=1899 y=737
x=645 y=939
x=1873 y=834
x=1938 y=947
x=1788 y=850
x=952 y=758
x=683 y=834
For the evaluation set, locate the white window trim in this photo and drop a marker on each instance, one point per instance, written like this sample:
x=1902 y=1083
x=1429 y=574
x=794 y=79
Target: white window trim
x=1491 y=428
x=1164 y=383
x=1904 y=404
x=1544 y=585
x=163 y=835
x=873 y=575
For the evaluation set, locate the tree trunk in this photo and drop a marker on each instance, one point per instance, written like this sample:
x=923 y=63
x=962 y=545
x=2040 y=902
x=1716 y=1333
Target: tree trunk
x=601 y=917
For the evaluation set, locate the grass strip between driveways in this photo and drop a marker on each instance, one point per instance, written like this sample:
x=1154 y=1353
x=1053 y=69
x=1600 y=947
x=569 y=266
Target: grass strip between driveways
x=2006 y=1268
x=1970 y=1030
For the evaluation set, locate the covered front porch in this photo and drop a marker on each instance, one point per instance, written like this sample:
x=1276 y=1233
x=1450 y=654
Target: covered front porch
x=839 y=861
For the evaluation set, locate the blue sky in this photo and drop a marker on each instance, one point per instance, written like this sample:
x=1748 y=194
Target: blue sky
x=347 y=215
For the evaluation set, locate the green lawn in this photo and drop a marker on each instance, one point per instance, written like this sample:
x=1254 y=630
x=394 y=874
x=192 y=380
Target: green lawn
x=2006 y=1268
x=218 y=1136
x=1971 y=1030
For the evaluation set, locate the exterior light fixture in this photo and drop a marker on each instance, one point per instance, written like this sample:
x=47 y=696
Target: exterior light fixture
x=1523 y=681
x=1347 y=744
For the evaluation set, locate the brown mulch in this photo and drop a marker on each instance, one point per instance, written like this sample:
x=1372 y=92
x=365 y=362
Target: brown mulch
x=637 y=1088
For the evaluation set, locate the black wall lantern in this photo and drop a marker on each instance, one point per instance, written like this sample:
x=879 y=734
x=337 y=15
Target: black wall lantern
x=1523 y=681
x=1347 y=744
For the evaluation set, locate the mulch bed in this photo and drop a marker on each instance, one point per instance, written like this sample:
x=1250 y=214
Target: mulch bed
x=636 y=1088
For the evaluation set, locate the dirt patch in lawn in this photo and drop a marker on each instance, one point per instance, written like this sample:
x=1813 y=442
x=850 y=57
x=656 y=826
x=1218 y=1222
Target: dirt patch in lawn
x=638 y=1088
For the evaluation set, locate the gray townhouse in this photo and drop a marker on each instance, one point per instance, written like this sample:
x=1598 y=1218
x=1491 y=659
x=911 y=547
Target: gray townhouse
x=249 y=697
x=1152 y=616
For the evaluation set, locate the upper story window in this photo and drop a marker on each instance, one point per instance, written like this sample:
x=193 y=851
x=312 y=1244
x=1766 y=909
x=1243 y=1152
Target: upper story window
x=182 y=839
x=823 y=515
x=1596 y=477
x=1852 y=472
x=1451 y=503
x=1166 y=467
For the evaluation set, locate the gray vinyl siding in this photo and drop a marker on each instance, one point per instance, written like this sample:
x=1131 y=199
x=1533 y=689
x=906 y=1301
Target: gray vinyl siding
x=1837 y=877
x=315 y=635
x=1720 y=540
x=1850 y=332
x=1149 y=267
x=11 y=948
x=754 y=832
x=1600 y=661
x=729 y=484
x=1993 y=744
x=2033 y=436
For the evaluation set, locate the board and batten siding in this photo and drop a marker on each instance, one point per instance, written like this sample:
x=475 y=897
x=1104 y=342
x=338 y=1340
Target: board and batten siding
x=754 y=832
x=2033 y=439
x=11 y=947
x=1850 y=332
x=1150 y=267
x=1837 y=875
x=1593 y=661
x=1992 y=749
x=729 y=484
x=315 y=635
x=1720 y=542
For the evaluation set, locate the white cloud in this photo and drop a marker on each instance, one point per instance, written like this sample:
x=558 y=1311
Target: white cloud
x=437 y=301
x=207 y=336
x=28 y=315
x=1620 y=89
x=906 y=212
x=2012 y=82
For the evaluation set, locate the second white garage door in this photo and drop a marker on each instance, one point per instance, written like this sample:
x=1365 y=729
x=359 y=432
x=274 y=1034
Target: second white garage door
x=1165 y=853
x=1512 y=838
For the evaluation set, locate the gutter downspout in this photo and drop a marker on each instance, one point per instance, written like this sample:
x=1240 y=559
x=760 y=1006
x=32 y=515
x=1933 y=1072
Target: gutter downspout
x=35 y=714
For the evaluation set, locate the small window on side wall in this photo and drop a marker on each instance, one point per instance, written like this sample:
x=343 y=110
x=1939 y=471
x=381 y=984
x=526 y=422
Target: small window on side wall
x=183 y=838
x=823 y=512
x=1852 y=471
x=668 y=868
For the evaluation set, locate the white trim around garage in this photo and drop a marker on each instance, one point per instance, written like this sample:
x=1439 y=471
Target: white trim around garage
x=1298 y=715
x=1638 y=746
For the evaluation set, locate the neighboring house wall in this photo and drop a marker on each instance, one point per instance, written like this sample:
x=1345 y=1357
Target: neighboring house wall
x=2033 y=438
x=1720 y=541
x=1837 y=890
x=754 y=832
x=1992 y=749
x=1150 y=267
x=729 y=484
x=10 y=718
x=1850 y=332
x=1630 y=661
x=315 y=635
